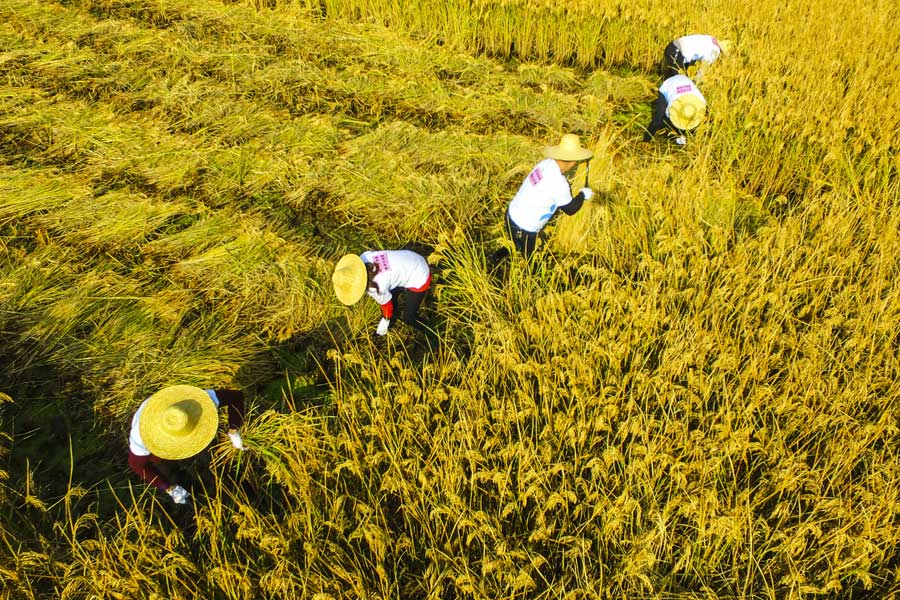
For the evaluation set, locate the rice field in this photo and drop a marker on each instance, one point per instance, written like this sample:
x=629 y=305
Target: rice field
x=693 y=392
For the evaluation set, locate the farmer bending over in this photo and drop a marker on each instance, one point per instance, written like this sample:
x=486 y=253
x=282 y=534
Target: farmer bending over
x=679 y=107
x=383 y=274
x=544 y=190
x=689 y=50
x=176 y=423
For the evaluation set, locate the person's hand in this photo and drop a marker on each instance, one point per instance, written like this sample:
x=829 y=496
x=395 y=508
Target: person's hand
x=235 y=438
x=178 y=493
x=681 y=140
x=587 y=192
x=383 y=325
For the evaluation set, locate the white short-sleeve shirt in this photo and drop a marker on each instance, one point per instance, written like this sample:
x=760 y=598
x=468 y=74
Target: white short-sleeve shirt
x=676 y=86
x=544 y=190
x=396 y=269
x=135 y=443
x=698 y=47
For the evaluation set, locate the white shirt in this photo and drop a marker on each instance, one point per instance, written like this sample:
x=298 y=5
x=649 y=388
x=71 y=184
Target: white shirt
x=135 y=443
x=698 y=47
x=544 y=190
x=678 y=85
x=396 y=269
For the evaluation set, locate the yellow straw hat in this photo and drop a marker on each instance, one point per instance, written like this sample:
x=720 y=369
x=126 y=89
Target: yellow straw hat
x=686 y=111
x=725 y=46
x=178 y=421
x=569 y=148
x=350 y=279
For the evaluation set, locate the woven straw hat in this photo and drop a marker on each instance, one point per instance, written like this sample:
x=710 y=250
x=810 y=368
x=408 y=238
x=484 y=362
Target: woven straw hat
x=569 y=148
x=350 y=278
x=178 y=421
x=686 y=111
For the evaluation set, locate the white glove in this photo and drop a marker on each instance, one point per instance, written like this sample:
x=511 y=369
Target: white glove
x=587 y=192
x=178 y=493
x=681 y=140
x=236 y=440
x=383 y=325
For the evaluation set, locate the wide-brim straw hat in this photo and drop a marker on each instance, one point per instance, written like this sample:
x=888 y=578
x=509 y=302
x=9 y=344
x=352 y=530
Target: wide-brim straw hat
x=686 y=111
x=350 y=279
x=569 y=148
x=178 y=421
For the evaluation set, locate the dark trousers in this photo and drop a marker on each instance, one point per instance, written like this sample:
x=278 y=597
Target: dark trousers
x=411 y=304
x=660 y=120
x=673 y=61
x=525 y=241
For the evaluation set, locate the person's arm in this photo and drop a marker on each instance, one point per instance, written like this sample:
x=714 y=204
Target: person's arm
x=574 y=206
x=143 y=466
x=387 y=313
x=387 y=309
x=659 y=117
x=384 y=299
x=234 y=400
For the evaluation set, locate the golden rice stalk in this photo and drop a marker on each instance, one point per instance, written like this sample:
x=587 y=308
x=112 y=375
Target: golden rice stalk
x=571 y=234
x=116 y=219
x=23 y=193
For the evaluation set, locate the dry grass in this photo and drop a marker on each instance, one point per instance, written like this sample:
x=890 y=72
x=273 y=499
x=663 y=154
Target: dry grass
x=692 y=394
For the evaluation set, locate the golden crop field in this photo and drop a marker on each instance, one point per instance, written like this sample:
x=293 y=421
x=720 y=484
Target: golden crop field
x=694 y=392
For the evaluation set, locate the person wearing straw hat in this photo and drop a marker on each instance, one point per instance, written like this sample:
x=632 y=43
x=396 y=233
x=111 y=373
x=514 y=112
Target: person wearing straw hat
x=383 y=274
x=679 y=106
x=689 y=50
x=176 y=423
x=544 y=190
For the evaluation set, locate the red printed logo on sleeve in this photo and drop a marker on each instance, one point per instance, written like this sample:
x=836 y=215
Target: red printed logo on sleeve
x=682 y=89
x=535 y=176
x=381 y=261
